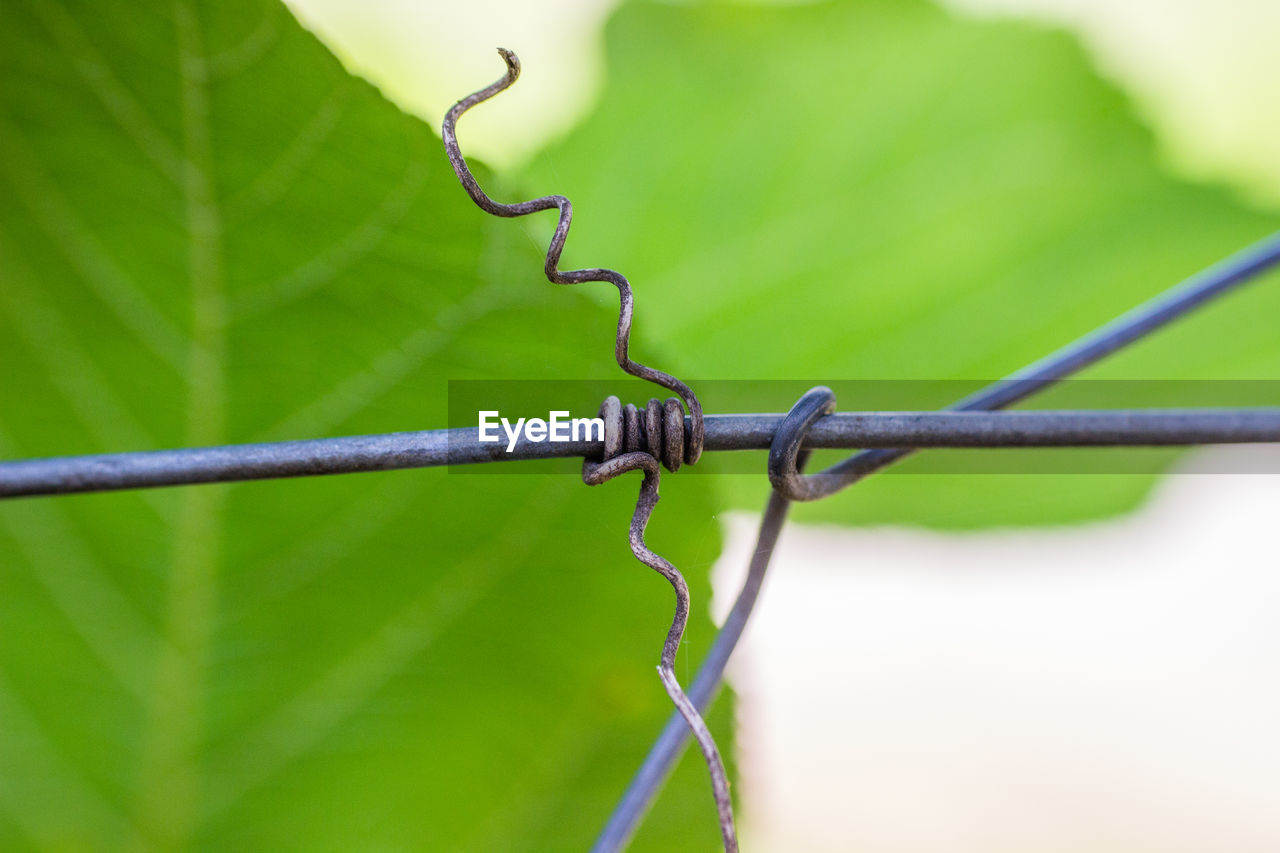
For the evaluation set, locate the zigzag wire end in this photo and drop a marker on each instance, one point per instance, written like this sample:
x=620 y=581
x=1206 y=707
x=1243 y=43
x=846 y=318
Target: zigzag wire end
x=595 y=473
x=663 y=427
x=693 y=446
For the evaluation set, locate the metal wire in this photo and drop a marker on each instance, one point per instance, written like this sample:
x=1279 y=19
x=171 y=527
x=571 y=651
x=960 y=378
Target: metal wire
x=429 y=448
x=677 y=449
x=1129 y=327
x=595 y=473
x=1133 y=325
x=664 y=434
x=693 y=448
x=662 y=756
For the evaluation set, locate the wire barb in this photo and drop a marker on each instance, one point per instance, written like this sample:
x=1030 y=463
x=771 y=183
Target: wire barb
x=664 y=435
x=595 y=473
x=693 y=449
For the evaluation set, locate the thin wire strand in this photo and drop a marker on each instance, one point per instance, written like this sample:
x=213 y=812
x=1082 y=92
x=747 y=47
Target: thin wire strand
x=657 y=765
x=595 y=473
x=1133 y=325
x=616 y=463
x=626 y=301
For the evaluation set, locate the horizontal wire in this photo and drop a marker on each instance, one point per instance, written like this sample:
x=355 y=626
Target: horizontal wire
x=1134 y=325
x=461 y=446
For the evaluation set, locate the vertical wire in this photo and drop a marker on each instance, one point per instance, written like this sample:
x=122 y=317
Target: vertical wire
x=660 y=761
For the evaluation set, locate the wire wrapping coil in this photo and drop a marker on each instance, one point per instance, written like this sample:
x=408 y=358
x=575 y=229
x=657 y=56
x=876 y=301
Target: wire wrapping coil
x=551 y=266
x=659 y=430
x=629 y=444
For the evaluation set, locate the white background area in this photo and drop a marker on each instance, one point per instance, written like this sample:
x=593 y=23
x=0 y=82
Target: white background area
x=1205 y=75
x=1104 y=687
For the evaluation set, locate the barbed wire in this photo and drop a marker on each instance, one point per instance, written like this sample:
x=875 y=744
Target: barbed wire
x=692 y=448
x=666 y=438
x=662 y=434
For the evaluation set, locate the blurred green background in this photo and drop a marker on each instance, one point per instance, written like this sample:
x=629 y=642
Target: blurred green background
x=212 y=232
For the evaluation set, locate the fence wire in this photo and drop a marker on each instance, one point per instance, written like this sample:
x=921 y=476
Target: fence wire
x=899 y=432
x=663 y=432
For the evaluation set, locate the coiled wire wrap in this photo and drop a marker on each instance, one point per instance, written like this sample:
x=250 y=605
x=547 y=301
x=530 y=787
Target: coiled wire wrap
x=629 y=445
x=659 y=431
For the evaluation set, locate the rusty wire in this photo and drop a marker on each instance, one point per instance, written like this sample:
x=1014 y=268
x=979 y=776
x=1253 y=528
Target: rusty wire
x=666 y=440
x=595 y=473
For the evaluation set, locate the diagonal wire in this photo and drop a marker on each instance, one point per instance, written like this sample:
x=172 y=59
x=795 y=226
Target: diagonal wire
x=1106 y=339
x=1133 y=325
x=671 y=742
x=595 y=473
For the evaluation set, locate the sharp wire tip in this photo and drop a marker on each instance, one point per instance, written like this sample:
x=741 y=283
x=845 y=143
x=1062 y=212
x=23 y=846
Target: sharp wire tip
x=513 y=62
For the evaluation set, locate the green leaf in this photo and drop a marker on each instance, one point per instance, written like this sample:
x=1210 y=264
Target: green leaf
x=879 y=190
x=211 y=233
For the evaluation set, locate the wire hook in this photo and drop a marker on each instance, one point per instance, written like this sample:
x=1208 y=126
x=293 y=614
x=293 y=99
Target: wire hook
x=784 y=454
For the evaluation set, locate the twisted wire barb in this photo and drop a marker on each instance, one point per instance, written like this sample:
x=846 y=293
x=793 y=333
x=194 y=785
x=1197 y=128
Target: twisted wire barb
x=1148 y=317
x=664 y=438
x=693 y=448
x=595 y=473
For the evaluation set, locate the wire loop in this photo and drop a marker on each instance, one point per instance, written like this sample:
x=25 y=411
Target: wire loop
x=785 y=453
x=660 y=431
